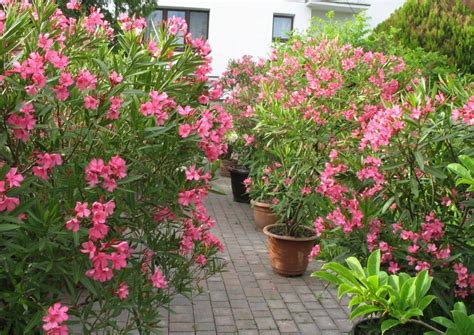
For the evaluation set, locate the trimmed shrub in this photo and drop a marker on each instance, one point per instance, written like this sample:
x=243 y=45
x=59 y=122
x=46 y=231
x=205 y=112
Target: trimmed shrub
x=446 y=26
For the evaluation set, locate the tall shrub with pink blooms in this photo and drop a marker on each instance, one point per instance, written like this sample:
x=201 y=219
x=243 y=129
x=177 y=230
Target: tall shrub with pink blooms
x=363 y=143
x=101 y=190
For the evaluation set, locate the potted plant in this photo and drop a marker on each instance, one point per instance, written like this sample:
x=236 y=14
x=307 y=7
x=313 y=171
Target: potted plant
x=260 y=187
x=227 y=161
x=387 y=304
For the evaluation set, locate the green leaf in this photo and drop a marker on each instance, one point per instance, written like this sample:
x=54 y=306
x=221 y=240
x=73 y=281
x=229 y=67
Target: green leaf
x=324 y=275
x=443 y=321
x=460 y=170
x=355 y=266
x=388 y=324
x=435 y=172
x=468 y=162
x=8 y=227
x=373 y=263
x=420 y=160
x=364 y=310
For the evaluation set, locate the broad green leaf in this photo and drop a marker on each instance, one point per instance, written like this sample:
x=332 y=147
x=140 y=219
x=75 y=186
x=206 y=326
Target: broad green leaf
x=373 y=263
x=364 y=310
x=388 y=324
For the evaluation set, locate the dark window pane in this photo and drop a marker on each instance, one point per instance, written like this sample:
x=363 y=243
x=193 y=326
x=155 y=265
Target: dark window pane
x=155 y=19
x=282 y=26
x=198 y=22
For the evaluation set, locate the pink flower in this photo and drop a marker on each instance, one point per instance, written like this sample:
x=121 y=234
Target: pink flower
x=8 y=203
x=184 y=111
x=73 y=224
x=14 y=178
x=393 y=267
x=91 y=102
x=81 y=210
x=185 y=130
x=158 y=280
x=203 y=99
x=118 y=260
x=73 y=5
x=192 y=173
x=115 y=78
x=201 y=260
x=249 y=139
x=315 y=251
x=57 y=314
x=86 y=80
x=122 y=291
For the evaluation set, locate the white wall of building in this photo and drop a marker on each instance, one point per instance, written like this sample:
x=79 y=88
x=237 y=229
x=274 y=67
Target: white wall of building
x=244 y=27
x=380 y=10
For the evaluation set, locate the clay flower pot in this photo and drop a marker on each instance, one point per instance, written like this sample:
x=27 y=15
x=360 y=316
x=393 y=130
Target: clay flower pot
x=263 y=214
x=237 y=176
x=226 y=165
x=288 y=255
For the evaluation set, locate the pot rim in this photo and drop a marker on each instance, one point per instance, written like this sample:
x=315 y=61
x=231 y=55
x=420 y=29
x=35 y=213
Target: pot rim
x=260 y=204
x=239 y=168
x=288 y=238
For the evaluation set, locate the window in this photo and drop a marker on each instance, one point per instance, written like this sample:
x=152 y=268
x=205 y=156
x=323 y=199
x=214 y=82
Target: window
x=282 y=26
x=197 y=20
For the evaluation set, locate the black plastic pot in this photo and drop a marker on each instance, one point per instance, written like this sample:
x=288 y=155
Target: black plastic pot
x=372 y=327
x=237 y=176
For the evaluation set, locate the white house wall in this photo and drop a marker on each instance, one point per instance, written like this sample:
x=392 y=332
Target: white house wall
x=241 y=27
x=244 y=27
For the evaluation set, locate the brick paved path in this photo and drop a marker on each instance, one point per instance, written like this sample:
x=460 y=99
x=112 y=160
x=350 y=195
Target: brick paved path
x=249 y=298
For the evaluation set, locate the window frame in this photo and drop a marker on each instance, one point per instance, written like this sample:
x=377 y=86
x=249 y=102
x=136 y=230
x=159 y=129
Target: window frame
x=282 y=16
x=187 y=15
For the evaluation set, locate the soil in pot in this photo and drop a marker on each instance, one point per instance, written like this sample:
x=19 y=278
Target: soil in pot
x=226 y=165
x=263 y=214
x=372 y=327
x=289 y=255
x=237 y=176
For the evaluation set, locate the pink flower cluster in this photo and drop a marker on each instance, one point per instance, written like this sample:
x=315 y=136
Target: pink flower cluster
x=466 y=113
x=115 y=170
x=2 y=21
x=23 y=122
x=45 y=164
x=464 y=281
x=131 y=23
x=12 y=179
x=159 y=106
x=53 y=321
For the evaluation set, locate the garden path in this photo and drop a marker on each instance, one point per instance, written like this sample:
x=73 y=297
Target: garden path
x=249 y=298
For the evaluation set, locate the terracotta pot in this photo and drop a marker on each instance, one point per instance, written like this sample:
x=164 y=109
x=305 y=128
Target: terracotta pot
x=237 y=176
x=288 y=255
x=226 y=164
x=263 y=214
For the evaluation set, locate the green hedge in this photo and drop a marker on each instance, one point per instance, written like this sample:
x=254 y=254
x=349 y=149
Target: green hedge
x=446 y=26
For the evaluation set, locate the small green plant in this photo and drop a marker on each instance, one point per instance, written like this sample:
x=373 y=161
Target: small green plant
x=461 y=323
x=396 y=299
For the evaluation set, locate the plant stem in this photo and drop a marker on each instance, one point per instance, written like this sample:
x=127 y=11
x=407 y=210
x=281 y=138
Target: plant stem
x=424 y=324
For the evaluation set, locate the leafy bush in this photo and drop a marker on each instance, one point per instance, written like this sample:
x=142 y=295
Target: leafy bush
x=356 y=32
x=397 y=299
x=105 y=161
x=445 y=26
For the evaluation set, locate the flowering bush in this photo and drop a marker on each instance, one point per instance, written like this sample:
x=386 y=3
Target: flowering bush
x=105 y=156
x=308 y=82
x=240 y=84
x=364 y=145
x=393 y=169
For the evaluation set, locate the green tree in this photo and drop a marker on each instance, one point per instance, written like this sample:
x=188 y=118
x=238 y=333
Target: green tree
x=446 y=26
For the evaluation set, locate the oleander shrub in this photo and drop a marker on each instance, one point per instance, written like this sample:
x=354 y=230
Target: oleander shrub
x=106 y=155
x=445 y=26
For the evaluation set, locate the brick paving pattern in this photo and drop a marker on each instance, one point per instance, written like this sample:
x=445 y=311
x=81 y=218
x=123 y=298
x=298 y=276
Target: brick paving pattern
x=249 y=298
